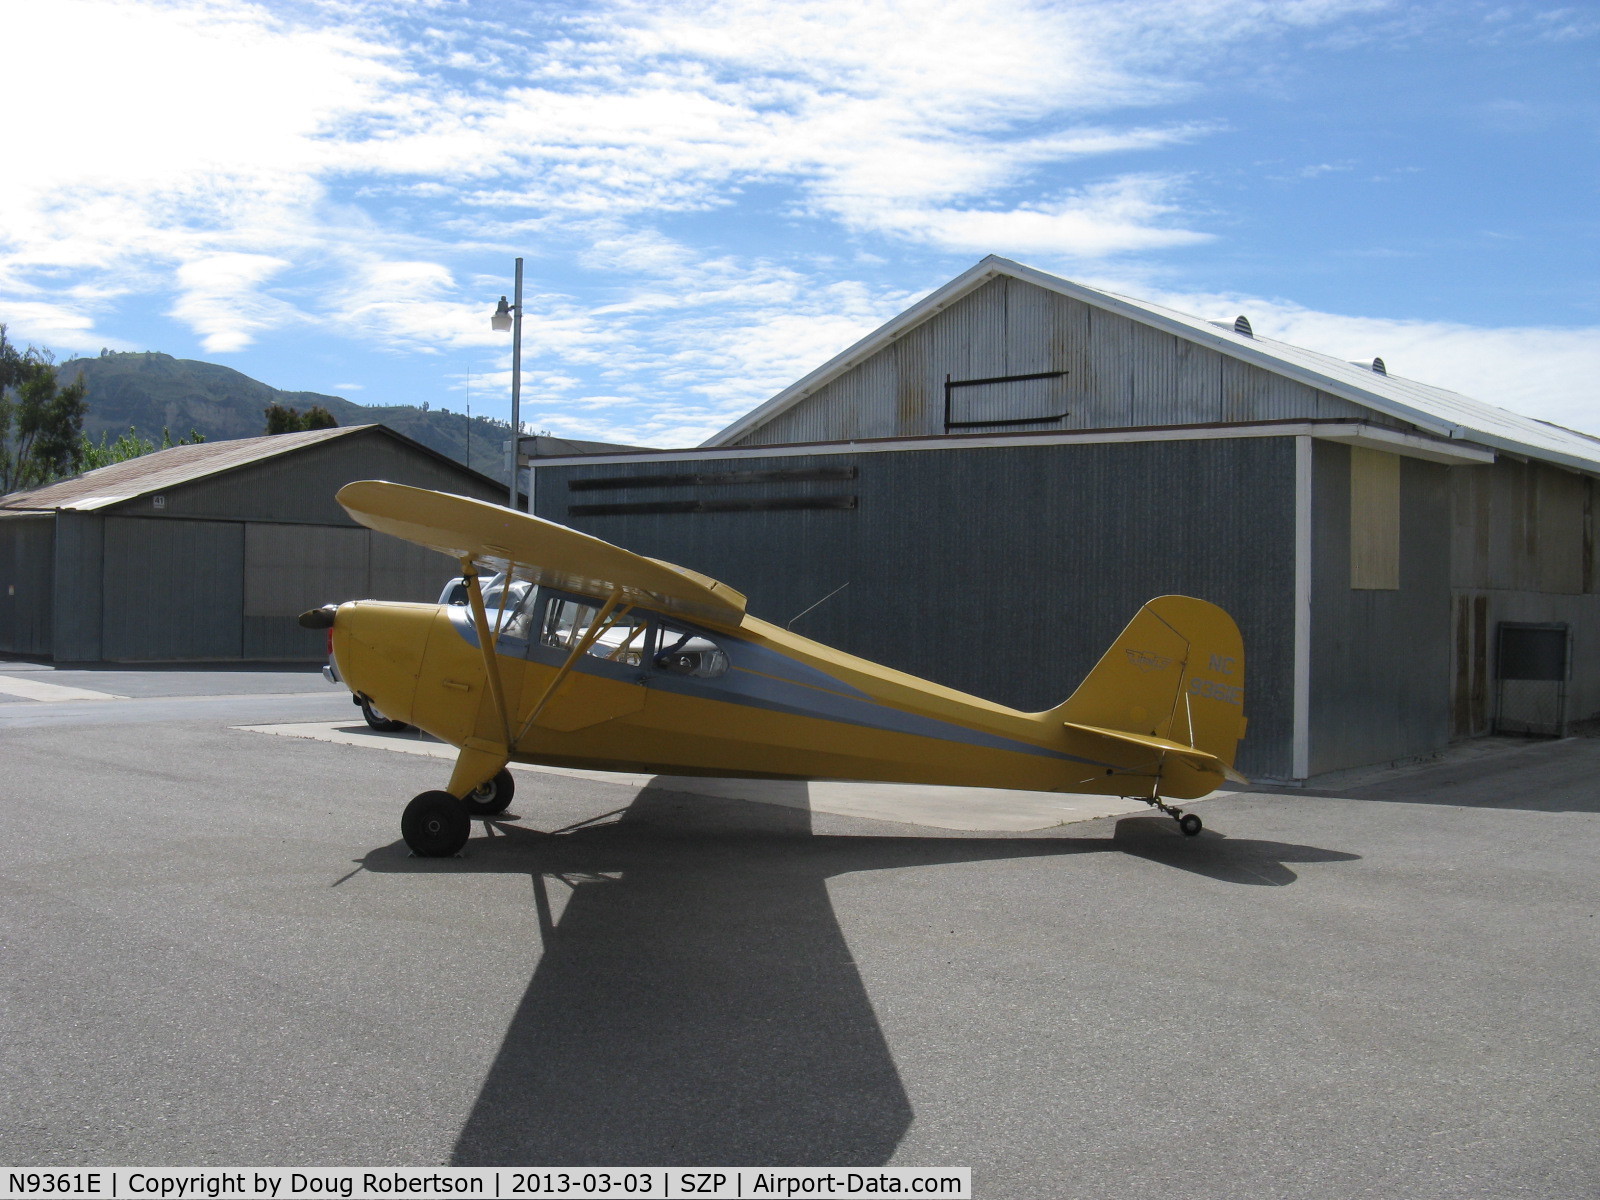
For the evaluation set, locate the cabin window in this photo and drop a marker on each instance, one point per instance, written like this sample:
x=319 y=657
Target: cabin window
x=624 y=640
x=1374 y=519
x=690 y=655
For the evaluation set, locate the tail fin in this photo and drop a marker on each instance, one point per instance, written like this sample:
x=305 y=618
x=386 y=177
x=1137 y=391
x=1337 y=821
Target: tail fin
x=1172 y=683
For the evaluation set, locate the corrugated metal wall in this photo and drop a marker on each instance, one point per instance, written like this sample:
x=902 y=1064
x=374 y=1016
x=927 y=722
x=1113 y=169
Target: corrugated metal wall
x=225 y=565
x=290 y=568
x=206 y=590
x=1522 y=550
x=401 y=571
x=173 y=589
x=1118 y=373
x=1380 y=662
x=78 y=587
x=1004 y=572
x=26 y=548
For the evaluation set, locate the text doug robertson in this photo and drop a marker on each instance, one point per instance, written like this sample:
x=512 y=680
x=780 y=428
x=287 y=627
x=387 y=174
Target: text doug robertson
x=186 y=1187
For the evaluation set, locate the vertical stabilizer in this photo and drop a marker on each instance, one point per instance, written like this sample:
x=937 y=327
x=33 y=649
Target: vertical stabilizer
x=1175 y=673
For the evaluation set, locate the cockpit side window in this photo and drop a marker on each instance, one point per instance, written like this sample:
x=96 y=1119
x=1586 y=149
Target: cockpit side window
x=690 y=655
x=625 y=640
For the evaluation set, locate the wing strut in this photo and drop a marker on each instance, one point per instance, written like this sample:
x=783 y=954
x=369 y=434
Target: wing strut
x=581 y=647
x=491 y=667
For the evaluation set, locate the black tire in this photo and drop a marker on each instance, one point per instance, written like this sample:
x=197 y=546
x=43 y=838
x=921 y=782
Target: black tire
x=1190 y=824
x=492 y=798
x=435 y=825
x=377 y=720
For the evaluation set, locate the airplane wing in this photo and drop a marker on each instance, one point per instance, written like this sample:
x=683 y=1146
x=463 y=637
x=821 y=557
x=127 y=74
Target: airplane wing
x=502 y=539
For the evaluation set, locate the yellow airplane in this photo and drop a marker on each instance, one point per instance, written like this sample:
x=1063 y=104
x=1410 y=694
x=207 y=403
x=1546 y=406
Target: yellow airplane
x=611 y=661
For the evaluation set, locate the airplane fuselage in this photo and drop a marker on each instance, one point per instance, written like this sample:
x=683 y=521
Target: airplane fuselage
x=662 y=695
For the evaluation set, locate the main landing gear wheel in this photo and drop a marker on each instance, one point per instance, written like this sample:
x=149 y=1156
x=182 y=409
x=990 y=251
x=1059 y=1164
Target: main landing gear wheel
x=435 y=825
x=491 y=798
x=376 y=719
x=1190 y=824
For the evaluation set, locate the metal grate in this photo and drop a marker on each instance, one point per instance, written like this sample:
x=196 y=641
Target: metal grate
x=1532 y=664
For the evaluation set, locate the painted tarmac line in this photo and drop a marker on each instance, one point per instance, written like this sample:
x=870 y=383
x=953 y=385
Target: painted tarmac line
x=970 y=810
x=51 y=693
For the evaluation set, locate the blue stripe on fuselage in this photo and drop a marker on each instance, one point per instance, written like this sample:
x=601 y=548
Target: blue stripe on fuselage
x=761 y=677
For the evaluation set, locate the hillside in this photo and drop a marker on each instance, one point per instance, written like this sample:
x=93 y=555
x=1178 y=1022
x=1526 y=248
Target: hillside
x=151 y=392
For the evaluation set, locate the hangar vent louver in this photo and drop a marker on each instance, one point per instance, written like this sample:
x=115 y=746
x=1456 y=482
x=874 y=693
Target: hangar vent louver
x=1378 y=367
x=1241 y=324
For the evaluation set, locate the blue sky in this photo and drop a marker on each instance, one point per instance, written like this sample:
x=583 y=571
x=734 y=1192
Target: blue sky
x=714 y=198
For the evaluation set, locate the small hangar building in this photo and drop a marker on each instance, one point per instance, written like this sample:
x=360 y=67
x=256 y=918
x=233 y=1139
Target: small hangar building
x=987 y=488
x=209 y=552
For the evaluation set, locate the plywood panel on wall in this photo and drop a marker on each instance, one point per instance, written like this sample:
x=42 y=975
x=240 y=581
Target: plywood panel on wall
x=1374 y=519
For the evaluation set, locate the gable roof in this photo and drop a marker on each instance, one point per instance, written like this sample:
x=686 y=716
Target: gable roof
x=163 y=470
x=1438 y=411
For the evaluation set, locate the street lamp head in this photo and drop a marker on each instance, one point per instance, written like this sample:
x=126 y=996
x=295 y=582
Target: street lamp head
x=502 y=317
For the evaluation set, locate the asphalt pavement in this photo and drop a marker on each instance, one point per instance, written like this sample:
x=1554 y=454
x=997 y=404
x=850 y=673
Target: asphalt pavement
x=215 y=951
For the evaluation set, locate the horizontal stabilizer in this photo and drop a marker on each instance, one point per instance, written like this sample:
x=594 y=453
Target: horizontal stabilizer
x=1189 y=754
x=1172 y=682
x=502 y=539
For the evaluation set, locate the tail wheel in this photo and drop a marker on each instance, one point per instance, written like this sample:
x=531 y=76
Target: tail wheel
x=435 y=825
x=1187 y=822
x=493 y=797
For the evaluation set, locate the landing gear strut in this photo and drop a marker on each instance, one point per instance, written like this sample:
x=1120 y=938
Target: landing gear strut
x=1189 y=823
x=491 y=798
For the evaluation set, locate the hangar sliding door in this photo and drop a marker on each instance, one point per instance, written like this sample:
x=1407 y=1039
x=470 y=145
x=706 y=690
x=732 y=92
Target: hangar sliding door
x=27 y=549
x=173 y=589
x=290 y=568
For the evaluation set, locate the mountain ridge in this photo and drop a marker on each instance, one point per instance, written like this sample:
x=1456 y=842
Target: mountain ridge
x=150 y=391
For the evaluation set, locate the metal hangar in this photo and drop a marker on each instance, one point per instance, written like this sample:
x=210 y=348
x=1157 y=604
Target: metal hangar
x=210 y=551
x=987 y=487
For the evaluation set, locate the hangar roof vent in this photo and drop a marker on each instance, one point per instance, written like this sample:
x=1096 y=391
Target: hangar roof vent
x=1241 y=324
x=1378 y=367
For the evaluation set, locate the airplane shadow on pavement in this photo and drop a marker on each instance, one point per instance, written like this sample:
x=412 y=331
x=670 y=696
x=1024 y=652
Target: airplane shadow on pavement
x=696 y=1002
x=1231 y=860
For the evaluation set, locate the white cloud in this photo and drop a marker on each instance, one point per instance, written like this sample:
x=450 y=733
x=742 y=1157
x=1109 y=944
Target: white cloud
x=55 y=326
x=1117 y=217
x=220 y=298
x=253 y=167
x=408 y=305
x=217 y=127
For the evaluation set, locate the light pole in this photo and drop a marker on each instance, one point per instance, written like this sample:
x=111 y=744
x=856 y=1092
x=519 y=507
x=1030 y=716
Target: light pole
x=509 y=316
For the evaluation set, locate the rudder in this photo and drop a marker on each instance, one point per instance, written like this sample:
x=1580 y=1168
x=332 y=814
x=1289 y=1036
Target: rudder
x=1175 y=673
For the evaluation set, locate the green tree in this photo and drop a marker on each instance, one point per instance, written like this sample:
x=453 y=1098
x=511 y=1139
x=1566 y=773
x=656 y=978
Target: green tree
x=282 y=419
x=41 y=422
x=129 y=445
